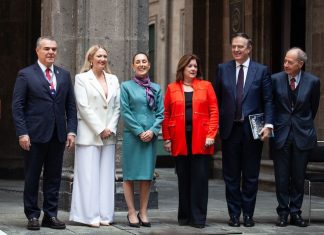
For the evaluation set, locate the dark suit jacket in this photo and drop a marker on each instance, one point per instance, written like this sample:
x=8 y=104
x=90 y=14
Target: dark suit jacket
x=257 y=97
x=36 y=112
x=301 y=117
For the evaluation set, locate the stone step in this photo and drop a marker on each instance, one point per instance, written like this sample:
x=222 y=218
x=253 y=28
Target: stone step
x=266 y=176
x=266 y=166
x=267 y=182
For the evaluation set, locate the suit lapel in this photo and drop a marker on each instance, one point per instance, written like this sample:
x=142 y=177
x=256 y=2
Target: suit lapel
x=110 y=86
x=59 y=79
x=283 y=88
x=231 y=72
x=94 y=83
x=249 y=78
x=301 y=89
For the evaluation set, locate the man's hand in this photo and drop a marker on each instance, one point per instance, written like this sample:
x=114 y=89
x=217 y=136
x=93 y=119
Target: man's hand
x=265 y=133
x=24 y=142
x=70 y=142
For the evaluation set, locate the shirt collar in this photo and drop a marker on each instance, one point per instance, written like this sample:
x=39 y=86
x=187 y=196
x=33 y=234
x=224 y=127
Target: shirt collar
x=297 y=77
x=43 y=67
x=245 y=64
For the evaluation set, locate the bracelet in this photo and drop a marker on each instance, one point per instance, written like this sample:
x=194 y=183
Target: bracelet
x=167 y=141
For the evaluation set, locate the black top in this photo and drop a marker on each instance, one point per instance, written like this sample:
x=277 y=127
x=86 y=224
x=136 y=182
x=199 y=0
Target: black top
x=188 y=110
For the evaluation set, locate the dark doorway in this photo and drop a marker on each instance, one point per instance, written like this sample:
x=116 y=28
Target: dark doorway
x=207 y=37
x=288 y=29
x=298 y=24
x=20 y=25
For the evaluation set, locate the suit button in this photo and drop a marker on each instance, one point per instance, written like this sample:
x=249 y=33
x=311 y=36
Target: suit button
x=105 y=107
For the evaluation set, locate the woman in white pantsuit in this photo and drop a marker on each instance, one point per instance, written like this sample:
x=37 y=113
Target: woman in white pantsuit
x=97 y=96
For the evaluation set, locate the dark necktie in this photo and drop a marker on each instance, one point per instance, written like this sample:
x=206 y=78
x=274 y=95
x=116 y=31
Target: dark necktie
x=292 y=84
x=239 y=94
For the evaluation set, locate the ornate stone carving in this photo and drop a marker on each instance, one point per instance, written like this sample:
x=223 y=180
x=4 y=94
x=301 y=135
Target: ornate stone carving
x=162 y=29
x=236 y=15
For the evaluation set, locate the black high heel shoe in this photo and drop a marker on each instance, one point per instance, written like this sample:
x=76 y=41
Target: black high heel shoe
x=135 y=225
x=144 y=224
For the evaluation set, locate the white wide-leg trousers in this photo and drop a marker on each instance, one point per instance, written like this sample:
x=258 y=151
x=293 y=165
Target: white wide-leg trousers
x=93 y=184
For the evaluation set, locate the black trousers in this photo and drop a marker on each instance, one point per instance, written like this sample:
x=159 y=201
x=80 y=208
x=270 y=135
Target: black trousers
x=48 y=156
x=241 y=166
x=193 y=174
x=290 y=166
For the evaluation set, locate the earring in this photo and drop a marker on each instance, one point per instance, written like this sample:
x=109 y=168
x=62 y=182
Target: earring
x=90 y=64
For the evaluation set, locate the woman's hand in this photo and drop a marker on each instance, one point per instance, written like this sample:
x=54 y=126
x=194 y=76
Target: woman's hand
x=167 y=145
x=209 y=142
x=105 y=134
x=146 y=136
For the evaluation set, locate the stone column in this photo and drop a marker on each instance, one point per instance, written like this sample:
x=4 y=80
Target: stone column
x=120 y=26
x=314 y=42
x=59 y=19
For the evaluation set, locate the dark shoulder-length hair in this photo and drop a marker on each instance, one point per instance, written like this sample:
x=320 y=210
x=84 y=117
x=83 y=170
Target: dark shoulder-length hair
x=139 y=53
x=183 y=62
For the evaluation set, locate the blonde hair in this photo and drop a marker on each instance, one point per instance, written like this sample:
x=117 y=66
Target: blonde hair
x=89 y=56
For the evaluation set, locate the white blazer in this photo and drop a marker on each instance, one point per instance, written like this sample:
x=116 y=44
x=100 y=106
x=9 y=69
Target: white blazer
x=95 y=111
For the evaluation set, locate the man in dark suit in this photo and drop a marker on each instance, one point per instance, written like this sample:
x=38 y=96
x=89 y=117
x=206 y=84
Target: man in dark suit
x=296 y=97
x=44 y=113
x=243 y=87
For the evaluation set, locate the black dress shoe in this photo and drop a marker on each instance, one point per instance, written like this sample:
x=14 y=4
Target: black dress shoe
x=297 y=220
x=142 y=223
x=183 y=222
x=282 y=221
x=234 y=221
x=33 y=224
x=134 y=225
x=198 y=225
x=248 y=221
x=53 y=222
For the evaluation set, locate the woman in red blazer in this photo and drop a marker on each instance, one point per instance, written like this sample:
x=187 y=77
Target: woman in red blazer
x=189 y=129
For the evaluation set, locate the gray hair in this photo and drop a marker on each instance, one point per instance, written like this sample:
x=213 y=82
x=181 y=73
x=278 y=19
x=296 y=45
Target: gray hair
x=50 y=38
x=301 y=55
x=243 y=35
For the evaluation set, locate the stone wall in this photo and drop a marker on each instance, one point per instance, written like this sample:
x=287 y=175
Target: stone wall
x=314 y=45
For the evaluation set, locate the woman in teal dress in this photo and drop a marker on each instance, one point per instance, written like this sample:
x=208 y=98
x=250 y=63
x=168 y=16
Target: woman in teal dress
x=142 y=112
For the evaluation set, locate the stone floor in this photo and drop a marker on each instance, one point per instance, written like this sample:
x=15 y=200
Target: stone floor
x=164 y=219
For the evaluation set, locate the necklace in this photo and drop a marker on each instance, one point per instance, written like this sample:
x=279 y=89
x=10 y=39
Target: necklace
x=186 y=84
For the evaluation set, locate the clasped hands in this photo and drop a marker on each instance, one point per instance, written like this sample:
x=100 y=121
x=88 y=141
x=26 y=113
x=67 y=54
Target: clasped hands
x=146 y=136
x=105 y=134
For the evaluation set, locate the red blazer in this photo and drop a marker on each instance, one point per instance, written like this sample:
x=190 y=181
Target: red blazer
x=204 y=118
